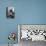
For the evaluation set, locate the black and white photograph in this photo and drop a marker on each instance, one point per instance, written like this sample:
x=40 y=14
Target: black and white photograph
x=10 y=12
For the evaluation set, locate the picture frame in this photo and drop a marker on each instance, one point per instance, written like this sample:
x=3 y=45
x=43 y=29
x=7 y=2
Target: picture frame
x=10 y=12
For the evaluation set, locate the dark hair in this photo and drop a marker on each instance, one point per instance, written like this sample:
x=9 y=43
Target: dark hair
x=11 y=10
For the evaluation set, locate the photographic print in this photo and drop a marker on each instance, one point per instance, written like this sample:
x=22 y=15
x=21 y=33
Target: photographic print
x=28 y=34
x=10 y=12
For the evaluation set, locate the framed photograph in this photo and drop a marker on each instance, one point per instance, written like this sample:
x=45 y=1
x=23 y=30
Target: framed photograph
x=10 y=12
x=32 y=32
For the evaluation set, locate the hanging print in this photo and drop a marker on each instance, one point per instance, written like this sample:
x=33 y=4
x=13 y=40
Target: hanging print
x=10 y=12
